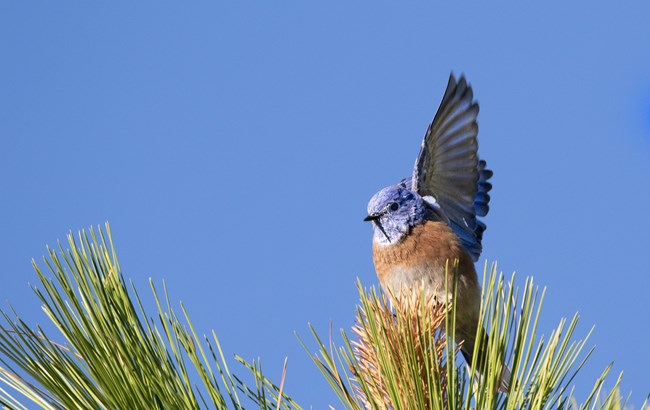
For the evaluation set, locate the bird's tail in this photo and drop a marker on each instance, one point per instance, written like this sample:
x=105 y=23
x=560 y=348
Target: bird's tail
x=467 y=349
x=504 y=384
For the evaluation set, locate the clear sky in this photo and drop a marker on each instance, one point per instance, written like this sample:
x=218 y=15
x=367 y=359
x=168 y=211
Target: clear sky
x=233 y=148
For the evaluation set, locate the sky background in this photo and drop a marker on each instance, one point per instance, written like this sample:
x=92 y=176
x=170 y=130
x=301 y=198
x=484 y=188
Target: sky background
x=233 y=148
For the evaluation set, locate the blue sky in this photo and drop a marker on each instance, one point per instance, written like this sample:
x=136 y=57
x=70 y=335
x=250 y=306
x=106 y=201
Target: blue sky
x=233 y=148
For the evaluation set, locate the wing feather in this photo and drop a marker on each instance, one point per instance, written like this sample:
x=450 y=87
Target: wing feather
x=448 y=167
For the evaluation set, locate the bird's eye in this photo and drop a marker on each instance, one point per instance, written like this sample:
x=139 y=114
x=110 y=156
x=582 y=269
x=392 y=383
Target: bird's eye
x=394 y=206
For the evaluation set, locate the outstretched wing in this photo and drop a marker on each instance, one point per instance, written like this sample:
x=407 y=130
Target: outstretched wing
x=447 y=167
x=472 y=243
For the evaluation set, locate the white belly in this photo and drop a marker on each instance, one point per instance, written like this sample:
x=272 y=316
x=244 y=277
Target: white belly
x=431 y=278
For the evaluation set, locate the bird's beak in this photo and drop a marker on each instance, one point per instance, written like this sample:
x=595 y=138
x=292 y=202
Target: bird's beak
x=372 y=217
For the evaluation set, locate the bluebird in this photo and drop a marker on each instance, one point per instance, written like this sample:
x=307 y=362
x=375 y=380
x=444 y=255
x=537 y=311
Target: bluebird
x=431 y=219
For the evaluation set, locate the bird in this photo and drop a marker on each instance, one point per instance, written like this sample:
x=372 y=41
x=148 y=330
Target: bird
x=431 y=218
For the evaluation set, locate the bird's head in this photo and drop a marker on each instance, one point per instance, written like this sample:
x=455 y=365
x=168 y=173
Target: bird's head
x=394 y=211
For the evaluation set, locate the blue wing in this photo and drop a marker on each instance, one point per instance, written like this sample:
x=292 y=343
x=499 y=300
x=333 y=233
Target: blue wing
x=472 y=243
x=448 y=167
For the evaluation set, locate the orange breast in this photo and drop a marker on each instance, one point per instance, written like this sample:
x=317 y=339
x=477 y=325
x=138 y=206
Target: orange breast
x=421 y=257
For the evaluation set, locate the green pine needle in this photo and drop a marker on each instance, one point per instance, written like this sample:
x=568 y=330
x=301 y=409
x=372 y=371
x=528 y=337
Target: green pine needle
x=114 y=355
x=108 y=352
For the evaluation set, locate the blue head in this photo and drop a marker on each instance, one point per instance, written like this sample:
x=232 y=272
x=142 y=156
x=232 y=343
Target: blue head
x=394 y=211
